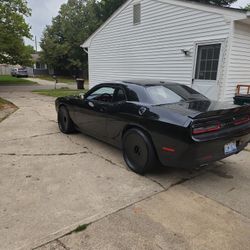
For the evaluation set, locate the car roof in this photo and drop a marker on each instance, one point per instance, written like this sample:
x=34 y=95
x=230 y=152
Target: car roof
x=146 y=82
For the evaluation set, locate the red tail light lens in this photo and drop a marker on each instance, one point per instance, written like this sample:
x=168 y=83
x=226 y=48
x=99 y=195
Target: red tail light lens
x=242 y=120
x=206 y=128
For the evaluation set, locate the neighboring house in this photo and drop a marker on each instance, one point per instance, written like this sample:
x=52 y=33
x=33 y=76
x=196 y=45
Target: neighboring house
x=39 y=68
x=203 y=46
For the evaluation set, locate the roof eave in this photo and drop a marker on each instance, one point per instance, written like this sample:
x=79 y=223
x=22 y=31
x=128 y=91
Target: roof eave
x=86 y=44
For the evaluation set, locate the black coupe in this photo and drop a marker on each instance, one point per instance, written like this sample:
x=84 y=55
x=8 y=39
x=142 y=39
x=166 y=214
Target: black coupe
x=157 y=122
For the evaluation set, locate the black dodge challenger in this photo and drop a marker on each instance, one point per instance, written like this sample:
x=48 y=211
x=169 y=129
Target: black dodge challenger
x=156 y=122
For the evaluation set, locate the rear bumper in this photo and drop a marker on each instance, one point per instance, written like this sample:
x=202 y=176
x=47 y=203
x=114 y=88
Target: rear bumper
x=201 y=153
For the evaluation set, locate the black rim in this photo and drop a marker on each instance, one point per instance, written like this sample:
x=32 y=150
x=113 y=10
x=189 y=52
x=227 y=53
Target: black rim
x=136 y=151
x=62 y=119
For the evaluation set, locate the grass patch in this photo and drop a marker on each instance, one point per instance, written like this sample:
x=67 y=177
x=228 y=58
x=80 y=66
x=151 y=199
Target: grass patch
x=78 y=229
x=10 y=80
x=3 y=102
x=6 y=108
x=61 y=79
x=58 y=92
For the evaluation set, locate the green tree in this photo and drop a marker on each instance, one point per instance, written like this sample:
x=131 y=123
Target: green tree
x=13 y=29
x=247 y=7
x=216 y=2
x=108 y=7
x=76 y=21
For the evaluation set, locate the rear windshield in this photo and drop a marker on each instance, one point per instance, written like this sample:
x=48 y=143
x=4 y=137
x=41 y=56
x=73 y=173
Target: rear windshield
x=165 y=94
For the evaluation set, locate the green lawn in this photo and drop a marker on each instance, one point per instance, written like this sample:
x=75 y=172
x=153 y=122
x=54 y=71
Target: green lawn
x=10 y=80
x=58 y=92
x=61 y=79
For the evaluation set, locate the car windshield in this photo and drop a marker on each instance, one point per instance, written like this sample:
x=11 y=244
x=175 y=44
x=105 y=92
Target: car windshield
x=172 y=93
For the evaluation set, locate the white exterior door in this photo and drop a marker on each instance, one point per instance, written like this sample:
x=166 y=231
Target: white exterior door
x=206 y=69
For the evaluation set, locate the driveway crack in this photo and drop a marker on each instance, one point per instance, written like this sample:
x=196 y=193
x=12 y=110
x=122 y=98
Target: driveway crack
x=29 y=137
x=62 y=244
x=55 y=154
x=155 y=181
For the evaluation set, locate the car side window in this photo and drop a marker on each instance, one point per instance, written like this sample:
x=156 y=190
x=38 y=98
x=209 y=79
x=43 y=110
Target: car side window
x=119 y=95
x=103 y=94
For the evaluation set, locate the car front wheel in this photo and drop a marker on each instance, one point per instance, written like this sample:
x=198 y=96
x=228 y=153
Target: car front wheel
x=138 y=151
x=64 y=121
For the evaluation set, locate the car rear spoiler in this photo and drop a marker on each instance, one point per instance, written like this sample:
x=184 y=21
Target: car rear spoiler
x=235 y=111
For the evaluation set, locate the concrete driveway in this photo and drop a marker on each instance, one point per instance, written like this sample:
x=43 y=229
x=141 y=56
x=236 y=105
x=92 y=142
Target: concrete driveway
x=51 y=183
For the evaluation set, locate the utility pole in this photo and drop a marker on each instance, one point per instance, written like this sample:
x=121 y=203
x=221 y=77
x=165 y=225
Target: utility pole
x=35 y=44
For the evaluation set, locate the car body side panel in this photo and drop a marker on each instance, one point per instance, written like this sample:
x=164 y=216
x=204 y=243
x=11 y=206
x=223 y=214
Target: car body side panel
x=169 y=127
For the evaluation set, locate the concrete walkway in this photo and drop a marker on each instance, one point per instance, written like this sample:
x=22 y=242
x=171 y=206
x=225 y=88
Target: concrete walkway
x=51 y=183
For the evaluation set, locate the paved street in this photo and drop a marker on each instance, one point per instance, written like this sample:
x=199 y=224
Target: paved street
x=51 y=183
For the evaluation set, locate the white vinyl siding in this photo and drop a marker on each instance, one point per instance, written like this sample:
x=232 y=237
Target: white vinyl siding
x=152 y=49
x=239 y=60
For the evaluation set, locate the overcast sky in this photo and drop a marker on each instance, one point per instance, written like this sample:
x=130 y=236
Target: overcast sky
x=44 y=10
x=42 y=13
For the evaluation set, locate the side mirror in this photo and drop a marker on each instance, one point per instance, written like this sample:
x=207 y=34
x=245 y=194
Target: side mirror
x=82 y=96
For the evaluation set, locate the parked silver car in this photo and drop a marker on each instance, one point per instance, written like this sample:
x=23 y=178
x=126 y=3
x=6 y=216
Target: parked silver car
x=19 y=72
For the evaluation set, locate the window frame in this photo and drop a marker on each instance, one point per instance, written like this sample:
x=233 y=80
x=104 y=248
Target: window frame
x=197 y=60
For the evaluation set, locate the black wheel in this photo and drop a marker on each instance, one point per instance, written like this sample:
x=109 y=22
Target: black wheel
x=138 y=151
x=64 y=121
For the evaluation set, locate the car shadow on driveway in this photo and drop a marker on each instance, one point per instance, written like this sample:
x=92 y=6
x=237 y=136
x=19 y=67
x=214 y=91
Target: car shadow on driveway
x=166 y=177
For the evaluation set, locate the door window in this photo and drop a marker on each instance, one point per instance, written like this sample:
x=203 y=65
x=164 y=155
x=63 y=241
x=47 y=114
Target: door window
x=207 y=62
x=103 y=94
x=119 y=95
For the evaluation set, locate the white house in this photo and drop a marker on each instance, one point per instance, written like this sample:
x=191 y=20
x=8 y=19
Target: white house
x=203 y=46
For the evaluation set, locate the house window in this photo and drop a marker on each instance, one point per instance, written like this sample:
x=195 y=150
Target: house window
x=40 y=65
x=207 y=62
x=137 y=13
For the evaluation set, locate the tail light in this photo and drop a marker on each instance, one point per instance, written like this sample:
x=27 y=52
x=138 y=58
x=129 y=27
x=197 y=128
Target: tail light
x=206 y=128
x=242 y=120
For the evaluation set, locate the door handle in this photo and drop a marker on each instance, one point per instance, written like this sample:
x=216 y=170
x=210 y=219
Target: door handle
x=103 y=109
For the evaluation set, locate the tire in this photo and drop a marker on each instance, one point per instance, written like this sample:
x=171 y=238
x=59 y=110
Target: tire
x=138 y=151
x=64 y=121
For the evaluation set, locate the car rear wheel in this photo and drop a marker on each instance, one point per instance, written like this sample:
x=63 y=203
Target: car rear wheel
x=64 y=121
x=138 y=151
